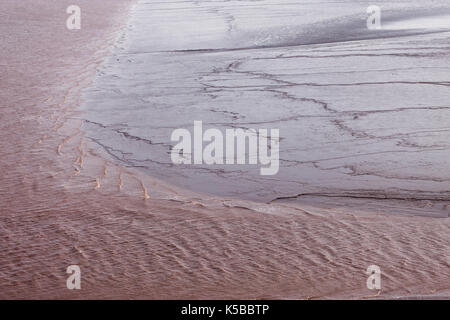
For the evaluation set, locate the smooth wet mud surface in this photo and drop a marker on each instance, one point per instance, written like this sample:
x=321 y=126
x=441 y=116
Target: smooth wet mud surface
x=363 y=114
x=365 y=137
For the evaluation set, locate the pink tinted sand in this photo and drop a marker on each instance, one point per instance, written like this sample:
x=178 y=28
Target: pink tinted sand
x=63 y=202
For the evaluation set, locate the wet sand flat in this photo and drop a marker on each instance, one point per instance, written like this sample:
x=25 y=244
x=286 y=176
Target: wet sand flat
x=67 y=200
x=363 y=114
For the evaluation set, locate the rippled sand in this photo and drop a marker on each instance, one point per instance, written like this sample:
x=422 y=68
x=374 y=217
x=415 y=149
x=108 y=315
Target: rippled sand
x=65 y=200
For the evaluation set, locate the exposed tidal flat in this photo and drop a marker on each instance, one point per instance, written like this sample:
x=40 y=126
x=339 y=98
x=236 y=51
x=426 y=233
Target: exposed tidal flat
x=363 y=114
x=363 y=177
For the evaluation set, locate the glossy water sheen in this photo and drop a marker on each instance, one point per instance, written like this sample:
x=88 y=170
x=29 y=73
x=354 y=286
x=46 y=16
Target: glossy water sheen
x=365 y=136
x=363 y=113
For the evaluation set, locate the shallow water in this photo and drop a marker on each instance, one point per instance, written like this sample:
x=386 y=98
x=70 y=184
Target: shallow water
x=363 y=113
x=65 y=200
